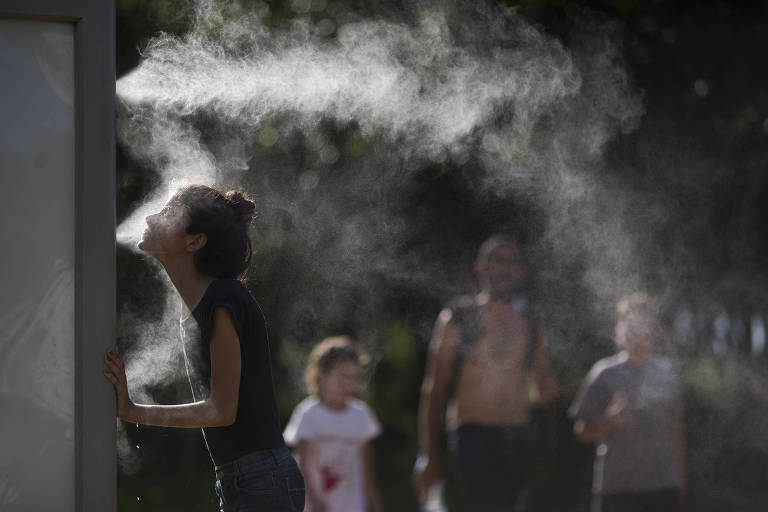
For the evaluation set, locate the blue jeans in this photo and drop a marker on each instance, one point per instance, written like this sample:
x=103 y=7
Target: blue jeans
x=494 y=464
x=264 y=481
x=663 y=500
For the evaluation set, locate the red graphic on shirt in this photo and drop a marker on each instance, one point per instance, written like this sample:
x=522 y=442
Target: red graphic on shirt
x=330 y=479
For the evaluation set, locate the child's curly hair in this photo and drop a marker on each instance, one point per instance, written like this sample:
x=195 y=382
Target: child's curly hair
x=328 y=353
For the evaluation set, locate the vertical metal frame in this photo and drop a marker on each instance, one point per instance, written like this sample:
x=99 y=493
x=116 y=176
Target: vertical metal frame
x=95 y=448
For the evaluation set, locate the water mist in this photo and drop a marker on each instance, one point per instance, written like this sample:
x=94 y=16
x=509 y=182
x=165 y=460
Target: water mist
x=355 y=106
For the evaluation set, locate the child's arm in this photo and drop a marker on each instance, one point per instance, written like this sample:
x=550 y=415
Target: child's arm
x=314 y=503
x=615 y=415
x=371 y=489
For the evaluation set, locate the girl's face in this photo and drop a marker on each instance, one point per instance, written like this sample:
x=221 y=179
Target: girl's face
x=340 y=383
x=165 y=234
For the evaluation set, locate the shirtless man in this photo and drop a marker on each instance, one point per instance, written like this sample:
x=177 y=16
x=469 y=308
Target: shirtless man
x=479 y=384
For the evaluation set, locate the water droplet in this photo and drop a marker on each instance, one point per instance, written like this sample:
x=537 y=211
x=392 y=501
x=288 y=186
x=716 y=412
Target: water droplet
x=267 y=136
x=308 y=180
x=701 y=88
x=318 y=5
x=669 y=35
x=329 y=154
x=438 y=156
x=301 y=6
x=459 y=155
x=491 y=143
x=648 y=24
x=325 y=27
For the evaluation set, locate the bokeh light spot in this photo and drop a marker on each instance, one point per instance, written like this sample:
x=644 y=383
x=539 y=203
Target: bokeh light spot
x=491 y=143
x=325 y=27
x=318 y=5
x=301 y=6
x=329 y=154
x=701 y=88
x=668 y=35
x=308 y=180
x=267 y=136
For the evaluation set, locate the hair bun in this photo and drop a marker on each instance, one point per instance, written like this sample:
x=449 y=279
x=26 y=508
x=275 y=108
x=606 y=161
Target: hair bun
x=242 y=207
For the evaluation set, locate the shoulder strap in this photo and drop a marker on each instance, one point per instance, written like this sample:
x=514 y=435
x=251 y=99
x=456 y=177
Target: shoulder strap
x=464 y=313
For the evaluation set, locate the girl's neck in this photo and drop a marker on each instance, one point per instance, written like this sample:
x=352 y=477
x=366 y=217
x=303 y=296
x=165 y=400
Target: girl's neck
x=333 y=405
x=189 y=283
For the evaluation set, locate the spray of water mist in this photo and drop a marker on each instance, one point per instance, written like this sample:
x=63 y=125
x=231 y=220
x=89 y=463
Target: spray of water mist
x=455 y=83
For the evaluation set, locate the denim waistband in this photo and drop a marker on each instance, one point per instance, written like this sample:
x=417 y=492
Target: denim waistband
x=478 y=428
x=255 y=461
x=490 y=434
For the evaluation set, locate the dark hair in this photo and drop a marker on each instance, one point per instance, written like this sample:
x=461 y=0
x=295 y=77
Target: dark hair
x=224 y=219
x=327 y=354
x=494 y=242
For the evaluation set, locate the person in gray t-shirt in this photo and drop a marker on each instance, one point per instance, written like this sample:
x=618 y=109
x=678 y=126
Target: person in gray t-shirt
x=630 y=405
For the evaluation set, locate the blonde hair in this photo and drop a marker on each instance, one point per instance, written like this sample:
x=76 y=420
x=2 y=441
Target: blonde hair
x=327 y=354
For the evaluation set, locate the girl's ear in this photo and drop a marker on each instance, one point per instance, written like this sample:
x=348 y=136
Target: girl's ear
x=196 y=242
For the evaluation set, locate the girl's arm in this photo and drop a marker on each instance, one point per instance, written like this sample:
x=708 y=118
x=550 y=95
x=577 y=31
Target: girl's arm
x=371 y=489
x=218 y=410
x=314 y=503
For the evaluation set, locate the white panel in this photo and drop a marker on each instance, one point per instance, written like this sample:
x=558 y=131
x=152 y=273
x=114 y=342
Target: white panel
x=37 y=290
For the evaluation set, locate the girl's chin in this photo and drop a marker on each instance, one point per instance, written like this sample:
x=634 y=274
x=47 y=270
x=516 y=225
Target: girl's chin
x=144 y=246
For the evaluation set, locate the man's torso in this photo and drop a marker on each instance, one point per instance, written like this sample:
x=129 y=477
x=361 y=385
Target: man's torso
x=490 y=386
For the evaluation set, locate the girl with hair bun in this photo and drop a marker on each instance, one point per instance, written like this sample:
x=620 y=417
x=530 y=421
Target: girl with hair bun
x=201 y=239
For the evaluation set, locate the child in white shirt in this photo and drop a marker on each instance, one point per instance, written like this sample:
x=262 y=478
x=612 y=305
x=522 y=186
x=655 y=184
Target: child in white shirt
x=332 y=430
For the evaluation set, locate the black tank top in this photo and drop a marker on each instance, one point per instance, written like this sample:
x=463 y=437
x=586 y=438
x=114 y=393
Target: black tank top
x=257 y=425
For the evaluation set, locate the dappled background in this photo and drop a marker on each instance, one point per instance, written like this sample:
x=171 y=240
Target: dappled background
x=624 y=142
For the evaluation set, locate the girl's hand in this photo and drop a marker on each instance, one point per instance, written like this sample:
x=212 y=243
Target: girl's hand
x=115 y=374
